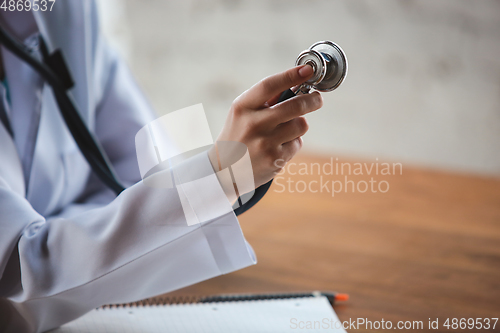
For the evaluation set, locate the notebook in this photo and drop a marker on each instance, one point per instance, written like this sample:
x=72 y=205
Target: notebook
x=311 y=313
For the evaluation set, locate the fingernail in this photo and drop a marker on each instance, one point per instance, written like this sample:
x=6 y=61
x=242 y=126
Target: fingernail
x=306 y=71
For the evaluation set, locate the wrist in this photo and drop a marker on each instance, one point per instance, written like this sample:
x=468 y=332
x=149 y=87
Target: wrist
x=233 y=168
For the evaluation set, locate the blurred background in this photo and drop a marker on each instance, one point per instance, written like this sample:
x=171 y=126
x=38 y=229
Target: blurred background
x=424 y=76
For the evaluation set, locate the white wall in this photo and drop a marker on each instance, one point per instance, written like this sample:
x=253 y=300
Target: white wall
x=424 y=76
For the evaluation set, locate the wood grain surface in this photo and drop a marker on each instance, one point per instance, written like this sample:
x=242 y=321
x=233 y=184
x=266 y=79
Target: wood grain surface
x=427 y=248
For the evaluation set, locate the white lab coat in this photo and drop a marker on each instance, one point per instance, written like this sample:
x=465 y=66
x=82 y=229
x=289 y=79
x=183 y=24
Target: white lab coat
x=67 y=245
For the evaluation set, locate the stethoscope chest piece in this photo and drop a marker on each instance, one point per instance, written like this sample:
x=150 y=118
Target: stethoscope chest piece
x=329 y=63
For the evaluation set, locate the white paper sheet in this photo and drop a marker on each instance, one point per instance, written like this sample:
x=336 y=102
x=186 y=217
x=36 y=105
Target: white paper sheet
x=313 y=314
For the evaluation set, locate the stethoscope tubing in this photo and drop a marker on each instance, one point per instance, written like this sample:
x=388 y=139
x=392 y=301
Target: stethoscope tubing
x=88 y=145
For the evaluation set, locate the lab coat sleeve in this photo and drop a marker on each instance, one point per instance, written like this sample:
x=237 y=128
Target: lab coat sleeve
x=103 y=249
x=135 y=247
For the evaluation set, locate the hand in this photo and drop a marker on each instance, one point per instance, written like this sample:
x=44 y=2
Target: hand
x=271 y=131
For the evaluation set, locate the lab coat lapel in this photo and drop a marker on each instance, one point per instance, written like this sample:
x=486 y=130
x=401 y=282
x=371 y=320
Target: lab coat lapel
x=10 y=165
x=25 y=99
x=73 y=37
x=47 y=180
x=56 y=155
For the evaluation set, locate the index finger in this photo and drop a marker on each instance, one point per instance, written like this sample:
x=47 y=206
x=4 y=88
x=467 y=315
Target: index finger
x=273 y=85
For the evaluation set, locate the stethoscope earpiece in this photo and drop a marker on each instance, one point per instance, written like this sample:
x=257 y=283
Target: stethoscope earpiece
x=329 y=63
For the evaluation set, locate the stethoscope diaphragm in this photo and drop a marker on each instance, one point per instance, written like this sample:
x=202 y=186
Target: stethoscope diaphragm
x=329 y=63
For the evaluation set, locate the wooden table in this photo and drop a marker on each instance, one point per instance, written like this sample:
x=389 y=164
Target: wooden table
x=427 y=248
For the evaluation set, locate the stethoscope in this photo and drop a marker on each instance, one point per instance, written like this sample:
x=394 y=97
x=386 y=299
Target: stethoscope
x=327 y=59
x=330 y=69
x=54 y=71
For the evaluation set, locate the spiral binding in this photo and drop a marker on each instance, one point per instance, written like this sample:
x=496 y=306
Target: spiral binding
x=252 y=297
x=154 y=301
x=166 y=300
